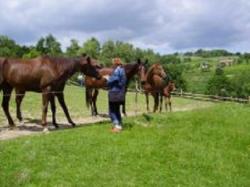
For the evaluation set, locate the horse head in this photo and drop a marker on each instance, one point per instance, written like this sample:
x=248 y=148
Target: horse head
x=88 y=67
x=156 y=70
x=142 y=71
x=171 y=86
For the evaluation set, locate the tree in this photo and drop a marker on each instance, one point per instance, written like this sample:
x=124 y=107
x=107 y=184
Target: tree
x=173 y=59
x=124 y=51
x=175 y=72
x=33 y=53
x=108 y=49
x=91 y=47
x=241 y=84
x=73 y=49
x=219 y=84
x=8 y=47
x=151 y=56
x=49 y=46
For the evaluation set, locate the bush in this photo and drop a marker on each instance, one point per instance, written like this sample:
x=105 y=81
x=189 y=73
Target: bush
x=219 y=84
x=176 y=74
x=241 y=85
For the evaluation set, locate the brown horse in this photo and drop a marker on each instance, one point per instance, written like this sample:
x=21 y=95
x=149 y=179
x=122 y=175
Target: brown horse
x=92 y=85
x=167 y=95
x=153 y=83
x=2 y=60
x=43 y=74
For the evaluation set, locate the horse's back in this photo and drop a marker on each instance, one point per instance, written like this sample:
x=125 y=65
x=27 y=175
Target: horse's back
x=29 y=74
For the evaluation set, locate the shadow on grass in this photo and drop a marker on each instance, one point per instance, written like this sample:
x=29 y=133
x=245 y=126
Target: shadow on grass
x=34 y=125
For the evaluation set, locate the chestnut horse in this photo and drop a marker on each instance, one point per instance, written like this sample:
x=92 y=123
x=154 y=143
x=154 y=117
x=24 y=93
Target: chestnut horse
x=153 y=82
x=92 y=85
x=43 y=74
x=2 y=60
x=167 y=95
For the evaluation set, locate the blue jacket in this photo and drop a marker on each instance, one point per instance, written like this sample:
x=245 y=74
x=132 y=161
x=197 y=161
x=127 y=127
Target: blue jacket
x=117 y=81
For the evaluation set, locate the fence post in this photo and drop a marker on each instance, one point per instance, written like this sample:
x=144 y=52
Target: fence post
x=136 y=97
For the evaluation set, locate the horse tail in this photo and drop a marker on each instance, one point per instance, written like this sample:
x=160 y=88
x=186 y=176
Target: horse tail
x=1 y=72
x=87 y=96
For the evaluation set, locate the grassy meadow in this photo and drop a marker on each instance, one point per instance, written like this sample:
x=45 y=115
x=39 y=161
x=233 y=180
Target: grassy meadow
x=203 y=147
x=75 y=100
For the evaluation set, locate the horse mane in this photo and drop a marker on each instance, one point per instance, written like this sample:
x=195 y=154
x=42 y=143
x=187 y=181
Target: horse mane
x=149 y=73
x=65 y=65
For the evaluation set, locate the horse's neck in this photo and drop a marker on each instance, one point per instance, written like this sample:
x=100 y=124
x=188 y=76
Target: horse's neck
x=67 y=68
x=168 y=90
x=150 y=76
x=130 y=70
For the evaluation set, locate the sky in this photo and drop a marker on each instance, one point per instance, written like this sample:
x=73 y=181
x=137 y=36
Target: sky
x=165 y=26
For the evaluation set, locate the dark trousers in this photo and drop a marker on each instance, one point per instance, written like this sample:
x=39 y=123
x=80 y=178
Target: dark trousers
x=115 y=114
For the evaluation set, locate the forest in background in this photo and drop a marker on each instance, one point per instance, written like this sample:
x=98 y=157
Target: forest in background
x=217 y=71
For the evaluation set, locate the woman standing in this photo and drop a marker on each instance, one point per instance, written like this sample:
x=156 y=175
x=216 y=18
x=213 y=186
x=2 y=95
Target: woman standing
x=116 y=95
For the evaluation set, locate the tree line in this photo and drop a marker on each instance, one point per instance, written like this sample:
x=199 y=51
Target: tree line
x=175 y=64
x=49 y=45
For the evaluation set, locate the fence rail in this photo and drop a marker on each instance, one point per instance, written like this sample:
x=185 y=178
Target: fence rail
x=203 y=97
x=210 y=97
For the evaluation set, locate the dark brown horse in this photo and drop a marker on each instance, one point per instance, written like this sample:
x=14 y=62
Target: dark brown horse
x=2 y=60
x=92 y=85
x=153 y=83
x=43 y=74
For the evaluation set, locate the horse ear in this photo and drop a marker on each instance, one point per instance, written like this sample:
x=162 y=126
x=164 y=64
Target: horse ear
x=138 y=61
x=89 y=60
x=146 y=62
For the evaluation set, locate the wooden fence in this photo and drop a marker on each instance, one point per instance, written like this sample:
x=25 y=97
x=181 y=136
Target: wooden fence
x=214 y=98
x=203 y=97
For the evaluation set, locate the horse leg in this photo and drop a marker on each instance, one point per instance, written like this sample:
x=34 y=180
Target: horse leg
x=19 y=98
x=91 y=100
x=161 y=100
x=45 y=96
x=53 y=110
x=147 y=102
x=170 y=104
x=95 y=94
x=60 y=98
x=5 y=105
x=156 y=102
x=166 y=104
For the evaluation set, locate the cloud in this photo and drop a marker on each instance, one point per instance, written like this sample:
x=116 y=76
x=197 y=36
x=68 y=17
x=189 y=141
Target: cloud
x=164 y=25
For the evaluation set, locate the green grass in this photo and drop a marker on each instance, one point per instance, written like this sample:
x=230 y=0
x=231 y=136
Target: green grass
x=197 y=80
x=75 y=100
x=205 y=147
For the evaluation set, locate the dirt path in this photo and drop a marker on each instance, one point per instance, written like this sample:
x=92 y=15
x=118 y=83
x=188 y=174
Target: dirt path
x=33 y=128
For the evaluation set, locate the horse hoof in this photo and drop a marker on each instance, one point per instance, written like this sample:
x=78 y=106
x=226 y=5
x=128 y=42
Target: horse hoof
x=12 y=127
x=56 y=125
x=21 y=123
x=73 y=125
x=45 y=130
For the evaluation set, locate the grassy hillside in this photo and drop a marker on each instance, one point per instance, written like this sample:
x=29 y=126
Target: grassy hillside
x=205 y=147
x=197 y=80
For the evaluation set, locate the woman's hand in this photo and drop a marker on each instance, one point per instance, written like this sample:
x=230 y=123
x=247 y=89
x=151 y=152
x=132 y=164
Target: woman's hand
x=106 y=77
